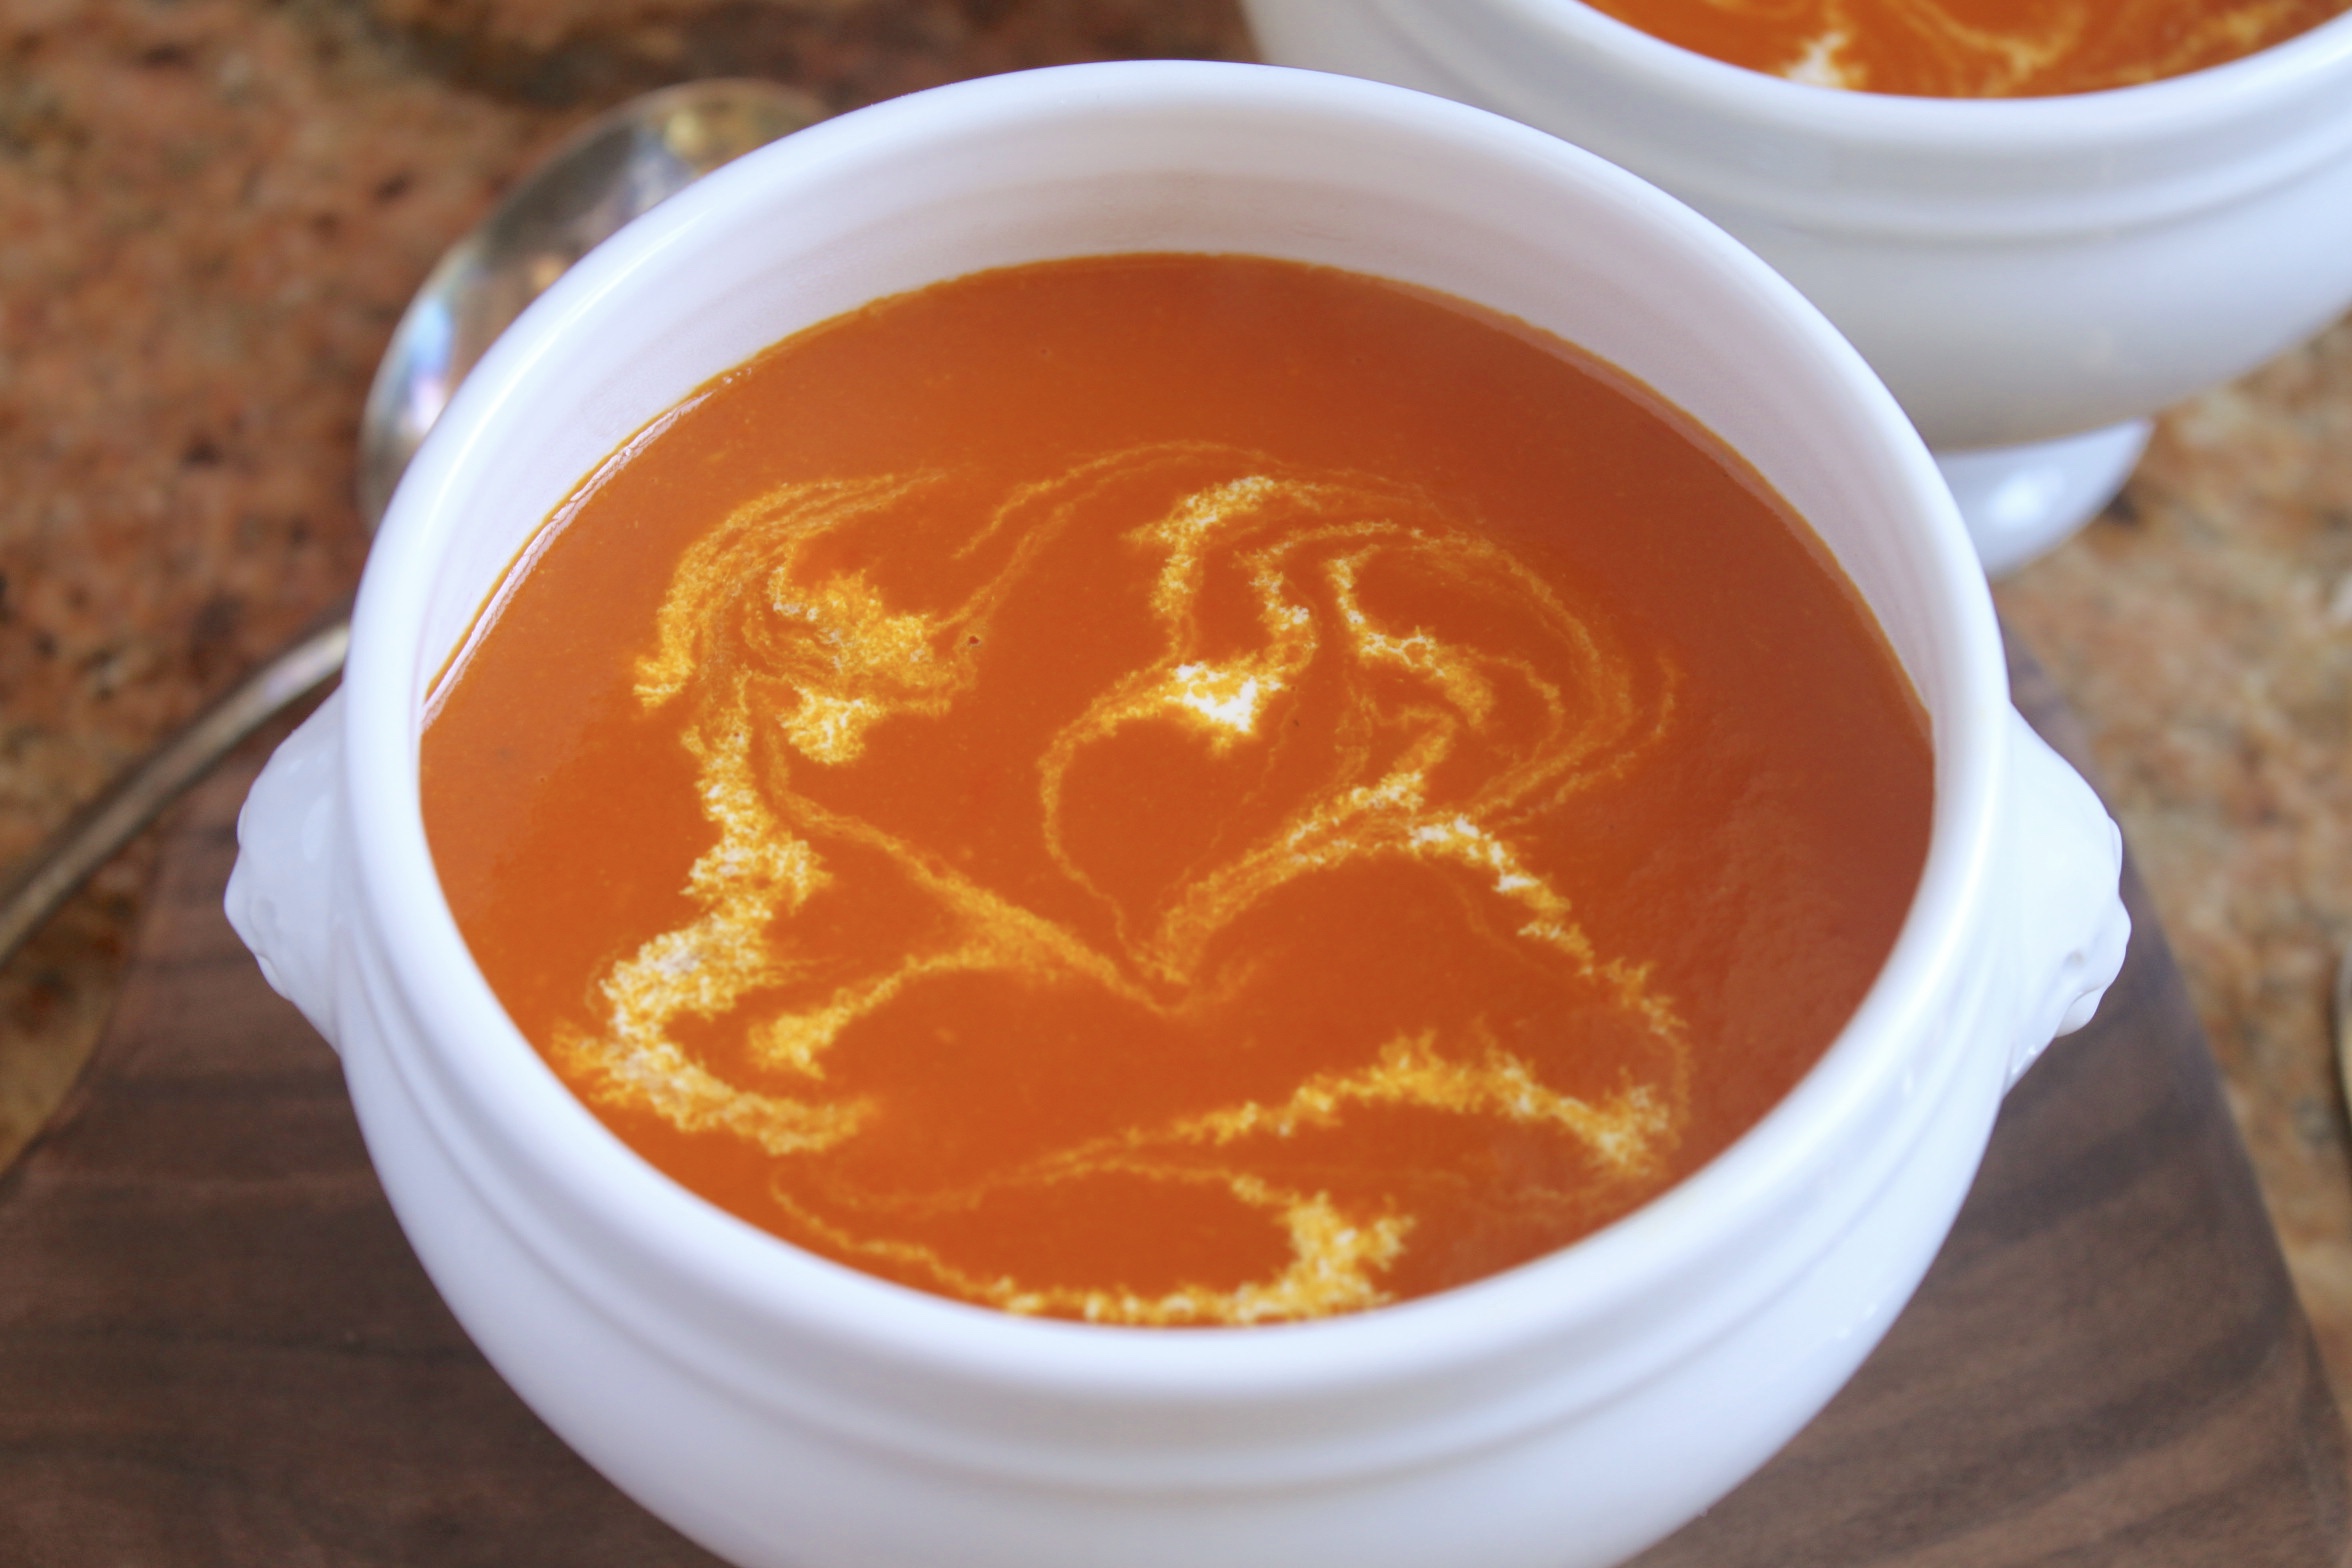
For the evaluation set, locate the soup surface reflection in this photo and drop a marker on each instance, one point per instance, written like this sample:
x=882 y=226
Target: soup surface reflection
x=1177 y=790
x=1975 y=48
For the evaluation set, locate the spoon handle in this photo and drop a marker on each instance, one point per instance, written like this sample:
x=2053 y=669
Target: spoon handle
x=135 y=799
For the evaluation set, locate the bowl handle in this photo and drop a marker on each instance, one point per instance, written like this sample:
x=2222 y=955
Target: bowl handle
x=281 y=896
x=2065 y=867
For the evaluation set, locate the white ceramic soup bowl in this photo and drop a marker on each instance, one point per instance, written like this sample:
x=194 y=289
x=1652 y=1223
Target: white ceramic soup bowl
x=782 y=1409
x=2033 y=277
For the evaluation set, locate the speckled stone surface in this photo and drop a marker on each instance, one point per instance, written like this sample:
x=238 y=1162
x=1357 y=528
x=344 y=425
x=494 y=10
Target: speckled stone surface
x=212 y=212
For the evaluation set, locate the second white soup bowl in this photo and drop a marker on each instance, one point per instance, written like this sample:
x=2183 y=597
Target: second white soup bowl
x=2034 y=277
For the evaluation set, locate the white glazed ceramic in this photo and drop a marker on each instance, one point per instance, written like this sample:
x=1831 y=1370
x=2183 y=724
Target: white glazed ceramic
x=784 y=1410
x=2018 y=270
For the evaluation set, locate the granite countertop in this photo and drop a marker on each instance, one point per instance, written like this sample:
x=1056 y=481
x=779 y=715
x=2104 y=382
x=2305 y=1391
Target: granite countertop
x=213 y=211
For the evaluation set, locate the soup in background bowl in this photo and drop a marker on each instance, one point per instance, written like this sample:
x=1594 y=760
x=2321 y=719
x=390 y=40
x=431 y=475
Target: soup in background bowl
x=781 y=1407
x=1976 y=48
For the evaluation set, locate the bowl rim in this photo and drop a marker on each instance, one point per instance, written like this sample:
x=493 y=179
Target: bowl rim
x=500 y=1080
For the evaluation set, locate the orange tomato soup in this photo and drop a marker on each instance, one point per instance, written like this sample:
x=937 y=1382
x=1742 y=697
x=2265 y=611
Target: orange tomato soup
x=1975 y=48
x=1177 y=790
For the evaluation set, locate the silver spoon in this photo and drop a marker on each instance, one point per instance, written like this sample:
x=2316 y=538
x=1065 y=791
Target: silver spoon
x=614 y=168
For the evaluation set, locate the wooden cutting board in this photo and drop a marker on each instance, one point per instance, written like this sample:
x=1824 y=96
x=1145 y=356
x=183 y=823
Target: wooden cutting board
x=216 y=1348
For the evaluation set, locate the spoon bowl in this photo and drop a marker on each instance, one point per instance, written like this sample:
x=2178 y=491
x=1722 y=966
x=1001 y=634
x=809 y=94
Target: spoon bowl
x=614 y=169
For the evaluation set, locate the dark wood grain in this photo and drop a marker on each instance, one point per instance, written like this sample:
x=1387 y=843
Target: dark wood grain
x=216 y=1350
